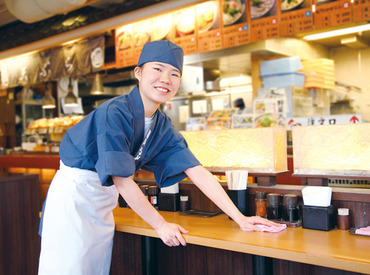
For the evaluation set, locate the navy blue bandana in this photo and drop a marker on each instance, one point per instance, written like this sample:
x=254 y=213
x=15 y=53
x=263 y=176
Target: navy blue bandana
x=162 y=51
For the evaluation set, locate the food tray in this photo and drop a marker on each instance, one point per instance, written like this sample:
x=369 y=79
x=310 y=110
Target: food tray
x=203 y=214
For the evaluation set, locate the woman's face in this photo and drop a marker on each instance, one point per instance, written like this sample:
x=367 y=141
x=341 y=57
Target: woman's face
x=158 y=82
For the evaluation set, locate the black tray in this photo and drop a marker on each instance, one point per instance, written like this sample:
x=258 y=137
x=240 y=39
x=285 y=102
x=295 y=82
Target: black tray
x=203 y=214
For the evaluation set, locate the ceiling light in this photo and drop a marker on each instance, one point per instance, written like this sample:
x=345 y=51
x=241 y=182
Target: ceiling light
x=97 y=86
x=355 y=41
x=48 y=101
x=70 y=99
x=340 y=32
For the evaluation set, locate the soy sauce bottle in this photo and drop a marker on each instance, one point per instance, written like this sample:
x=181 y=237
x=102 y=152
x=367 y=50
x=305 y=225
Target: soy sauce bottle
x=274 y=206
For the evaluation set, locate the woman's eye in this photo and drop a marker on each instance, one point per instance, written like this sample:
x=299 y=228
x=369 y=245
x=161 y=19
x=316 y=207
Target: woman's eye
x=176 y=75
x=157 y=69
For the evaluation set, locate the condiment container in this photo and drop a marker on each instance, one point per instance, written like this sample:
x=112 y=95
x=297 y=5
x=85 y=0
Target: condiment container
x=343 y=219
x=184 y=203
x=261 y=204
x=290 y=205
x=274 y=206
x=144 y=188
x=153 y=195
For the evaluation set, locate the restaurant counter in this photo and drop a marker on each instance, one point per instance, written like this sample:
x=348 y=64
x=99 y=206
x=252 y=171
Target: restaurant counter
x=257 y=252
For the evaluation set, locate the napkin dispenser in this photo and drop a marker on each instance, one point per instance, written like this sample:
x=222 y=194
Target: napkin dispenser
x=317 y=211
x=318 y=217
x=169 y=198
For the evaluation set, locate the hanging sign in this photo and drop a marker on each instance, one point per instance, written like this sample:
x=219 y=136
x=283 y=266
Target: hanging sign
x=235 y=23
x=295 y=17
x=361 y=10
x=184 y=30
x=332 y=13
x=77 y=59
x=323 y=120
x=265 y=22
x=208 y=26
x=130 y=40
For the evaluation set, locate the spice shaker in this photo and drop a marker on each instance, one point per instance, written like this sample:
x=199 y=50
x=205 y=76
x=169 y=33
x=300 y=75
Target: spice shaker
x=343 y=218
x=184 y=203
x=290 y=205
x=274 y=206
x=261 y=204
x=144 y=189
x=153 y=195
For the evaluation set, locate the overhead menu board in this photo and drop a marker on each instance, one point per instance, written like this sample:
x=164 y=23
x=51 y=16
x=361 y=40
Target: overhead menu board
x=208 y=26
x=216 y=24
x=236 y=30
x=295 y=17
x=184 y=30
x=361 y=10
x=265 y=20
x=332 y=13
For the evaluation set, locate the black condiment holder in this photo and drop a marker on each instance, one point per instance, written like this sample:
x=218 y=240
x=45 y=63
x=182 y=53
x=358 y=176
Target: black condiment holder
x=318 y=217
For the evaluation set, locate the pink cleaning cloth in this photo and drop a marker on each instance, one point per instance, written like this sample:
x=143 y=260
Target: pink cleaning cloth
x=272 y=229
x=363 y=231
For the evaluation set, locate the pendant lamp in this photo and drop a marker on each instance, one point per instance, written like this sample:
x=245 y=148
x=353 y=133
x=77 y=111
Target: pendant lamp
x=97 y=86
x=70 y=99
x=48 y=101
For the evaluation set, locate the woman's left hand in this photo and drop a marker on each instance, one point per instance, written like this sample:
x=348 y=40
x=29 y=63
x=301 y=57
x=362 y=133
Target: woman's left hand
x=249 y=223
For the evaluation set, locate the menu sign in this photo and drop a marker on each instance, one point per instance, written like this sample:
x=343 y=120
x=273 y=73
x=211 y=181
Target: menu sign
x=130 y=40
x=331 y=13
x=264 y=15
x=208 y=23
x=296 y=16
x=236 y=29
x=361 y=10
x=184 y=29
x=324 y=120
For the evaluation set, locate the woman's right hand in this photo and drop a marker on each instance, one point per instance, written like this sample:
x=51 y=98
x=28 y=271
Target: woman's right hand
x=171 y=233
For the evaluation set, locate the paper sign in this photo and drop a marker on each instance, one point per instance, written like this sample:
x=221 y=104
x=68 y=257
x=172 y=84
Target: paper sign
x=236 y=30
x=199 y=106
x=184 y=30
x=265 y=23
x=183 y=113
x=295 y=17
x=332 y=13
x=208 y=26
x=361 y=10
x=323 y=120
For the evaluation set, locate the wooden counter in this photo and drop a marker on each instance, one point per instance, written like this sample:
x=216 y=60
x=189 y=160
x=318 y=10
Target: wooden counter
x=335 y=249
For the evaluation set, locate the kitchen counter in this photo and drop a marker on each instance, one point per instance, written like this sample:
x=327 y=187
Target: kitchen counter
x=334 y=249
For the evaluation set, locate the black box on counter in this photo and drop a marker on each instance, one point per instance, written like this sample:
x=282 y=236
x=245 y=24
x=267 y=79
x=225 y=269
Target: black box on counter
x=169 y=202
x=318 y=217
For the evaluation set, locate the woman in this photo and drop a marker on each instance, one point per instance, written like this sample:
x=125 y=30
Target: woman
x=100 y=154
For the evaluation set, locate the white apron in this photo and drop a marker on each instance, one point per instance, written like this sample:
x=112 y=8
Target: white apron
x=78 y=224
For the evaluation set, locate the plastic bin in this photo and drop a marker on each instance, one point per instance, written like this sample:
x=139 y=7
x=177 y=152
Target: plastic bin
x=280 y=66
x=281 y=80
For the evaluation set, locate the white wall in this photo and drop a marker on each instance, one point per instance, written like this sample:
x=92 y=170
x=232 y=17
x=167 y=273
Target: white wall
x=352 y=67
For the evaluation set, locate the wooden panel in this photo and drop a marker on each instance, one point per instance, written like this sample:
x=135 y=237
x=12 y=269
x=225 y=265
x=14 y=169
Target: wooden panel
x=19 y=212
x=30 y=161
x=282 y=267
x=126 y=257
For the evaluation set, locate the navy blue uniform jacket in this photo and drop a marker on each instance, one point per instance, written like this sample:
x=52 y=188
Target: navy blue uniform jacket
x=110 y=140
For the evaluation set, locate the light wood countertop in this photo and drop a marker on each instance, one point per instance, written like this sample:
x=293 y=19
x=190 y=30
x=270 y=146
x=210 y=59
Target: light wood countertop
x=335 y=249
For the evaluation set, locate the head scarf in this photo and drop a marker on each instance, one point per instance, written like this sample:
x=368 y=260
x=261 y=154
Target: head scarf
x=162 y=51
